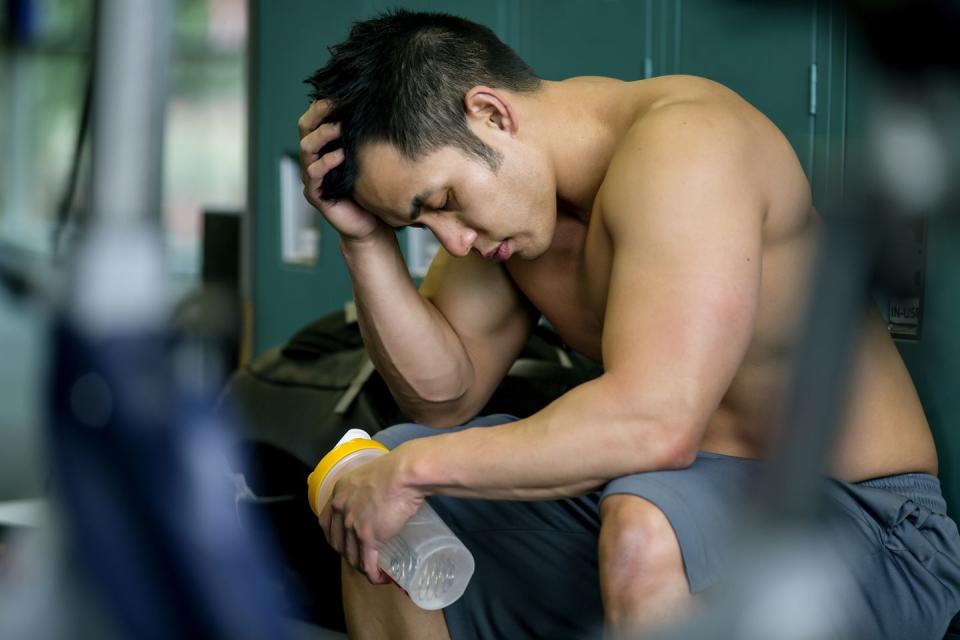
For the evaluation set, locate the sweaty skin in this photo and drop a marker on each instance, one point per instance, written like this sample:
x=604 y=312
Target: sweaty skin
x=665 y=229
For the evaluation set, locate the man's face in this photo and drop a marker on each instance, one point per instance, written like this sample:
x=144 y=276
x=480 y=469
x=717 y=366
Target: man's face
x=467 y=206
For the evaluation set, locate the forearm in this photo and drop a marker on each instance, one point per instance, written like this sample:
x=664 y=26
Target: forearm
x=575 y=445
x=413 y=347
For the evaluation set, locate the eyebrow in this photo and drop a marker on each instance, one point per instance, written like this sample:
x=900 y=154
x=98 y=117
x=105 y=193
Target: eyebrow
x=416 y=205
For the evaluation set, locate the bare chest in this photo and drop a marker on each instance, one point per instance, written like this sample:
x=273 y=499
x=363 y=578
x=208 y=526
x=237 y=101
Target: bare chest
x=568 y=285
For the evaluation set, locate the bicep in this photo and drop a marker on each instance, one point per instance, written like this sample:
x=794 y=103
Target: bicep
x=684 y=282
x=486 y=310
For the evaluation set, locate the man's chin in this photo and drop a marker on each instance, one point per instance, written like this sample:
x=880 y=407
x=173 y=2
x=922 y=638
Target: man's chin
x=529 y=254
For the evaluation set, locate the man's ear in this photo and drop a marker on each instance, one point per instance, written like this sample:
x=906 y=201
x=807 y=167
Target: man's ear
x=489 y=107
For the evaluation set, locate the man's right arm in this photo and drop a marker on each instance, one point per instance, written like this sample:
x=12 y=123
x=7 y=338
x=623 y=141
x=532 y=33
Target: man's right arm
x=444 y=349
x=441 y=353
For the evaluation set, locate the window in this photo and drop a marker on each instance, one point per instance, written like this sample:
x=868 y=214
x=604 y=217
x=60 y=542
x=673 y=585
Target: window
x=43 y=69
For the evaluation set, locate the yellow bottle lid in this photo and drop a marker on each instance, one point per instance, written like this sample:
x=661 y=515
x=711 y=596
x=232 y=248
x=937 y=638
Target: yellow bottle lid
x=329 y=461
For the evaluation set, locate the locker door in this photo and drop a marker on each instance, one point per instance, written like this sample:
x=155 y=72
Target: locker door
x=764 y=54
x=560 y=39
x=289 y=41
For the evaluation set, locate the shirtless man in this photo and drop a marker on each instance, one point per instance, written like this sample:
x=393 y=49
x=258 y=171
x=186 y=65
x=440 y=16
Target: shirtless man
x=664 y=227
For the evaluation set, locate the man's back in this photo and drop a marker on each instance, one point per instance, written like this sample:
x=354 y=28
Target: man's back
x=885 y=431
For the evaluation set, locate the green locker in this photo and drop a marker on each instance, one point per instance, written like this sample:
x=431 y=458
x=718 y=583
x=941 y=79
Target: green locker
x=582 y=38
x=766 y=55
x=289 y=40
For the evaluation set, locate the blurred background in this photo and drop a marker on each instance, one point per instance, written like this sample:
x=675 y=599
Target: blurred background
x=45 y=60
x=232 y=213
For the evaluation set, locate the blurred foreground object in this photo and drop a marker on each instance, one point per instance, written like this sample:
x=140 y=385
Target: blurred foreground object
x=789 y=581
x=138 y=454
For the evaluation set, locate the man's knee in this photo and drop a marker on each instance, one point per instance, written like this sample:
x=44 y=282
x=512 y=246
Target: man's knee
x=384 y=612
x=639 y=551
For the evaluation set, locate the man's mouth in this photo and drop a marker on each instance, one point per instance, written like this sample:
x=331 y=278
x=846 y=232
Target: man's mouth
x=500 y=254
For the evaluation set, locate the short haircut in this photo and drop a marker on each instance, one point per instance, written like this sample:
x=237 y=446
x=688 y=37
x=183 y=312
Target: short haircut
x=401 y=78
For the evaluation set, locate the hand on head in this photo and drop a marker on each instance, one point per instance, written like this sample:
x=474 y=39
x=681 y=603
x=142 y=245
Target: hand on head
x=344 y=215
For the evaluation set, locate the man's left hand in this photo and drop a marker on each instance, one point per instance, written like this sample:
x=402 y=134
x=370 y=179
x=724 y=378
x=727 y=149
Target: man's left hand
x=367 y=507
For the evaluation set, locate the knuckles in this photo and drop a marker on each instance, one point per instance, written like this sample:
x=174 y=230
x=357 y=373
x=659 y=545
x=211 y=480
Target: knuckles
x=306 y=146
x=303 y=123
x=317 y=170
x=349 y=522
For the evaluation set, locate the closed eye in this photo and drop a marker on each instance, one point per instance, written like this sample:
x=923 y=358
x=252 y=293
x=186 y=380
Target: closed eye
x=447 y=205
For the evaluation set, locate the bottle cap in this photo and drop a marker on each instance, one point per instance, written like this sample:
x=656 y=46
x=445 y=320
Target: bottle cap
x=329 y=461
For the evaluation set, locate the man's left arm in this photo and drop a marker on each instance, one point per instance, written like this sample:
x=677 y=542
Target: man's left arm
x=684 y=217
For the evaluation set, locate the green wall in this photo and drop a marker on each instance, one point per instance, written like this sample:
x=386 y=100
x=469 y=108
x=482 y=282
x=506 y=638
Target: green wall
x=287 y=42
x=767 y=61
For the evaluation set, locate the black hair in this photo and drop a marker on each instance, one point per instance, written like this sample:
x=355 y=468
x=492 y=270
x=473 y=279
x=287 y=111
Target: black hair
x=401 y=78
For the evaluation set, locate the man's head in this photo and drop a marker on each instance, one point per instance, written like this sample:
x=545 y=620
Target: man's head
x=411 y=92
x=401 y=78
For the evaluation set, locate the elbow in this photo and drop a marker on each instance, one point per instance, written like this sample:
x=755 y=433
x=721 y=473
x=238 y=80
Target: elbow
x=444 y=386
x=439 y=415
x=677 y=452
x=679 y=445
x=441 y=410
x=437 y=400
x=662 y=443
x=442 y=398
x=665 y=434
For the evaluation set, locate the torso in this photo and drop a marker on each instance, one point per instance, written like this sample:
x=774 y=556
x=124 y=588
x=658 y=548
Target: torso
x=884 y=432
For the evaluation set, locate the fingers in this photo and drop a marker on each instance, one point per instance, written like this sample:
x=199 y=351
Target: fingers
x=314 y=136
x=313 y=141
x=325 y=514
x=337 y=535
x=331 y=521
x=313 y=166
x=358 y=547
x=313 y=116
x=315 y=171
x=312 y=175
x=363 y=557
x=370 y=567
x=351 y=548
x=345 y=541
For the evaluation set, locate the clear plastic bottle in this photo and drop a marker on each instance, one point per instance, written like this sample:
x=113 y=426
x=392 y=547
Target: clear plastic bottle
x=424 y=558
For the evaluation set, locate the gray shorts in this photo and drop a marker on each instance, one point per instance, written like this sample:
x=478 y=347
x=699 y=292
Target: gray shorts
x=536 y=570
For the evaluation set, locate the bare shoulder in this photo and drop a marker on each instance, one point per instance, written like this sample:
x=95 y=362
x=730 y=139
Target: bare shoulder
x=689 y=149
x=701 y=141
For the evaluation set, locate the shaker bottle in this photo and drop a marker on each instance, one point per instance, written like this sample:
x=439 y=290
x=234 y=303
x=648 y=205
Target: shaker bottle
x=424 y=558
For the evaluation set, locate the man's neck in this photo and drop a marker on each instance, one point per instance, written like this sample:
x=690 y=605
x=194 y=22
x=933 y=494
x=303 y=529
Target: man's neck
x=578 y=123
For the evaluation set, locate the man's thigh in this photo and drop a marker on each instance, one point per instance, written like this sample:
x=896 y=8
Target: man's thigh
x=703 y=503
x=903 y=552
x=537 y=564
x=894 y=544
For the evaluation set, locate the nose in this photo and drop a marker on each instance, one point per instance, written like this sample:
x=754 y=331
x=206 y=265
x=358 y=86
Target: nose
x=455 y=237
